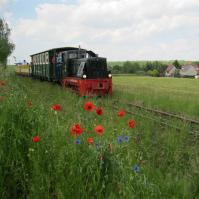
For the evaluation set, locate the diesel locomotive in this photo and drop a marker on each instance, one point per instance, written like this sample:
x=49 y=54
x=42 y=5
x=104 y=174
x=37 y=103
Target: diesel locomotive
x=79 y=69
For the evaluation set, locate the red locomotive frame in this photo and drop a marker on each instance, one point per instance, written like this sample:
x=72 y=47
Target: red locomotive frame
x=85 y=87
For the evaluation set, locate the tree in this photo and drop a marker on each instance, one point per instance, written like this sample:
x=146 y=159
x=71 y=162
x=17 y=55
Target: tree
x=149 y=66
x=155 y=73
x=130 y=67
x=177 y=64
x=117 y=69
x=6 y=46
x=160 y=67
x=126 y=66
x=196 y=63
x=177 y=73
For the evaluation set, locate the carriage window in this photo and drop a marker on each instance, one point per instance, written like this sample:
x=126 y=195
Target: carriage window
x=46 y=58
x=72 y=55
x=43 y=58
x=82 y=55
x=37 y=59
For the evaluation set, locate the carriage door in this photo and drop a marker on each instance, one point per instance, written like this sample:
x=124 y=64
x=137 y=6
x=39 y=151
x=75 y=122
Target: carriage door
x=65 y=64
x=58 y=67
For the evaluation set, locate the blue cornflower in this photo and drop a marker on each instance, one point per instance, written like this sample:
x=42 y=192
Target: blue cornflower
x=78 y=141
x=98 y=146
x=136 y=168
x=120 y=139
x=126 y=138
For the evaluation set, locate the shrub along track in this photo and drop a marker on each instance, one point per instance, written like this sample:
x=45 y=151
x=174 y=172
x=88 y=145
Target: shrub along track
x=164 y=118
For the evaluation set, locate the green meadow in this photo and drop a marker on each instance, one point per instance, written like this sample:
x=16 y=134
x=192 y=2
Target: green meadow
x=153 y=161
x=177 y=95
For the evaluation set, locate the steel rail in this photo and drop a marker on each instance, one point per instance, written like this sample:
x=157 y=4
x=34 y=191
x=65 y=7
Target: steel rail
x=163 y=113
x=157 y=121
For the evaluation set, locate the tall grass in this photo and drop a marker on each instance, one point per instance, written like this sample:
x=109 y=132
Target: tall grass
x=56 y=167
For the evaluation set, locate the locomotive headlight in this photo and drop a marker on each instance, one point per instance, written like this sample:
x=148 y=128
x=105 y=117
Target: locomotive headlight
x=84 y=76
x=109 y=75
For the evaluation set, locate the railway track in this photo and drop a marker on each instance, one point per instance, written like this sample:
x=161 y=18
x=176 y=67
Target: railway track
x=159 y=116
x=163 y=113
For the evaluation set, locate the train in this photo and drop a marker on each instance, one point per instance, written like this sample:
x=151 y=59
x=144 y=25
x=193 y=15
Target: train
x=79 y=69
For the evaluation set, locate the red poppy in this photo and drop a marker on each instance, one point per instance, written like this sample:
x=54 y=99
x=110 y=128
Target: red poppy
x=89 y=106
x=90 y=141
x=56 y=107
x=77 y=130
x=99 y=111
x=132 y=123
x=29 y=103
x=122 y=113
x=99 y=130
x=36 y=139
x=2 y=83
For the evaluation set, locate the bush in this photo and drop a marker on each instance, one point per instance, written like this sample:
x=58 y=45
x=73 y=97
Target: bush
x=153 y=73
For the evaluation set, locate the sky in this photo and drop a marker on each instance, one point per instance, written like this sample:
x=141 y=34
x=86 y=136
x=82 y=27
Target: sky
x=115 y=29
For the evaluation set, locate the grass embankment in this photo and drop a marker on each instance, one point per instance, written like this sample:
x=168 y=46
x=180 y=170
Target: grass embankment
x=56 y=167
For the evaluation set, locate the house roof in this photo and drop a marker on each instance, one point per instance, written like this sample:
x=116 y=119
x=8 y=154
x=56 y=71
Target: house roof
x=170 y=67
x=188 y=70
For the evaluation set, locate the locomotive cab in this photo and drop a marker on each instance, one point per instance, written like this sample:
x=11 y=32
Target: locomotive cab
x=93 y=68
x=84 y=64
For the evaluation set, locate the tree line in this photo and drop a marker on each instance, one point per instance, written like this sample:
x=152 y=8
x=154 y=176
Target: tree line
x=151 y=68
x=6 y=46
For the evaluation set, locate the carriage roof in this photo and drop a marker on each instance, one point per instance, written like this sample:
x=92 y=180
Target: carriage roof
x=58 y=49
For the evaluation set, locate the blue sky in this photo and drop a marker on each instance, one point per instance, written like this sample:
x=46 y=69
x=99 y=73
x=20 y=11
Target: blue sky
x=26 y=8
x=116 y=29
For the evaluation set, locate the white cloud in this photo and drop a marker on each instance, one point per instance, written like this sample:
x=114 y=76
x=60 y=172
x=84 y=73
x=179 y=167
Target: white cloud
x=117 y=29
x=2 y=2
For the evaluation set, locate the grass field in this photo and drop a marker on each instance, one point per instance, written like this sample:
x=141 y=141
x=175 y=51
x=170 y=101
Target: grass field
x=176 y=95
x=153 y=161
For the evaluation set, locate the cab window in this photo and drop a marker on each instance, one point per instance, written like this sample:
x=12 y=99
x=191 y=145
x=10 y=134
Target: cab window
x=80 y=69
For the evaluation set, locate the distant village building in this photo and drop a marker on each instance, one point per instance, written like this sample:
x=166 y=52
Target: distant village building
x=197 y=72
x=188 y=71
x=170 y=71
x=197 y=77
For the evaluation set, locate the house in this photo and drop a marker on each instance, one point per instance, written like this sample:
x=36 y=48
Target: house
x=197 y=72
x=188 y=71
x=170 y=71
